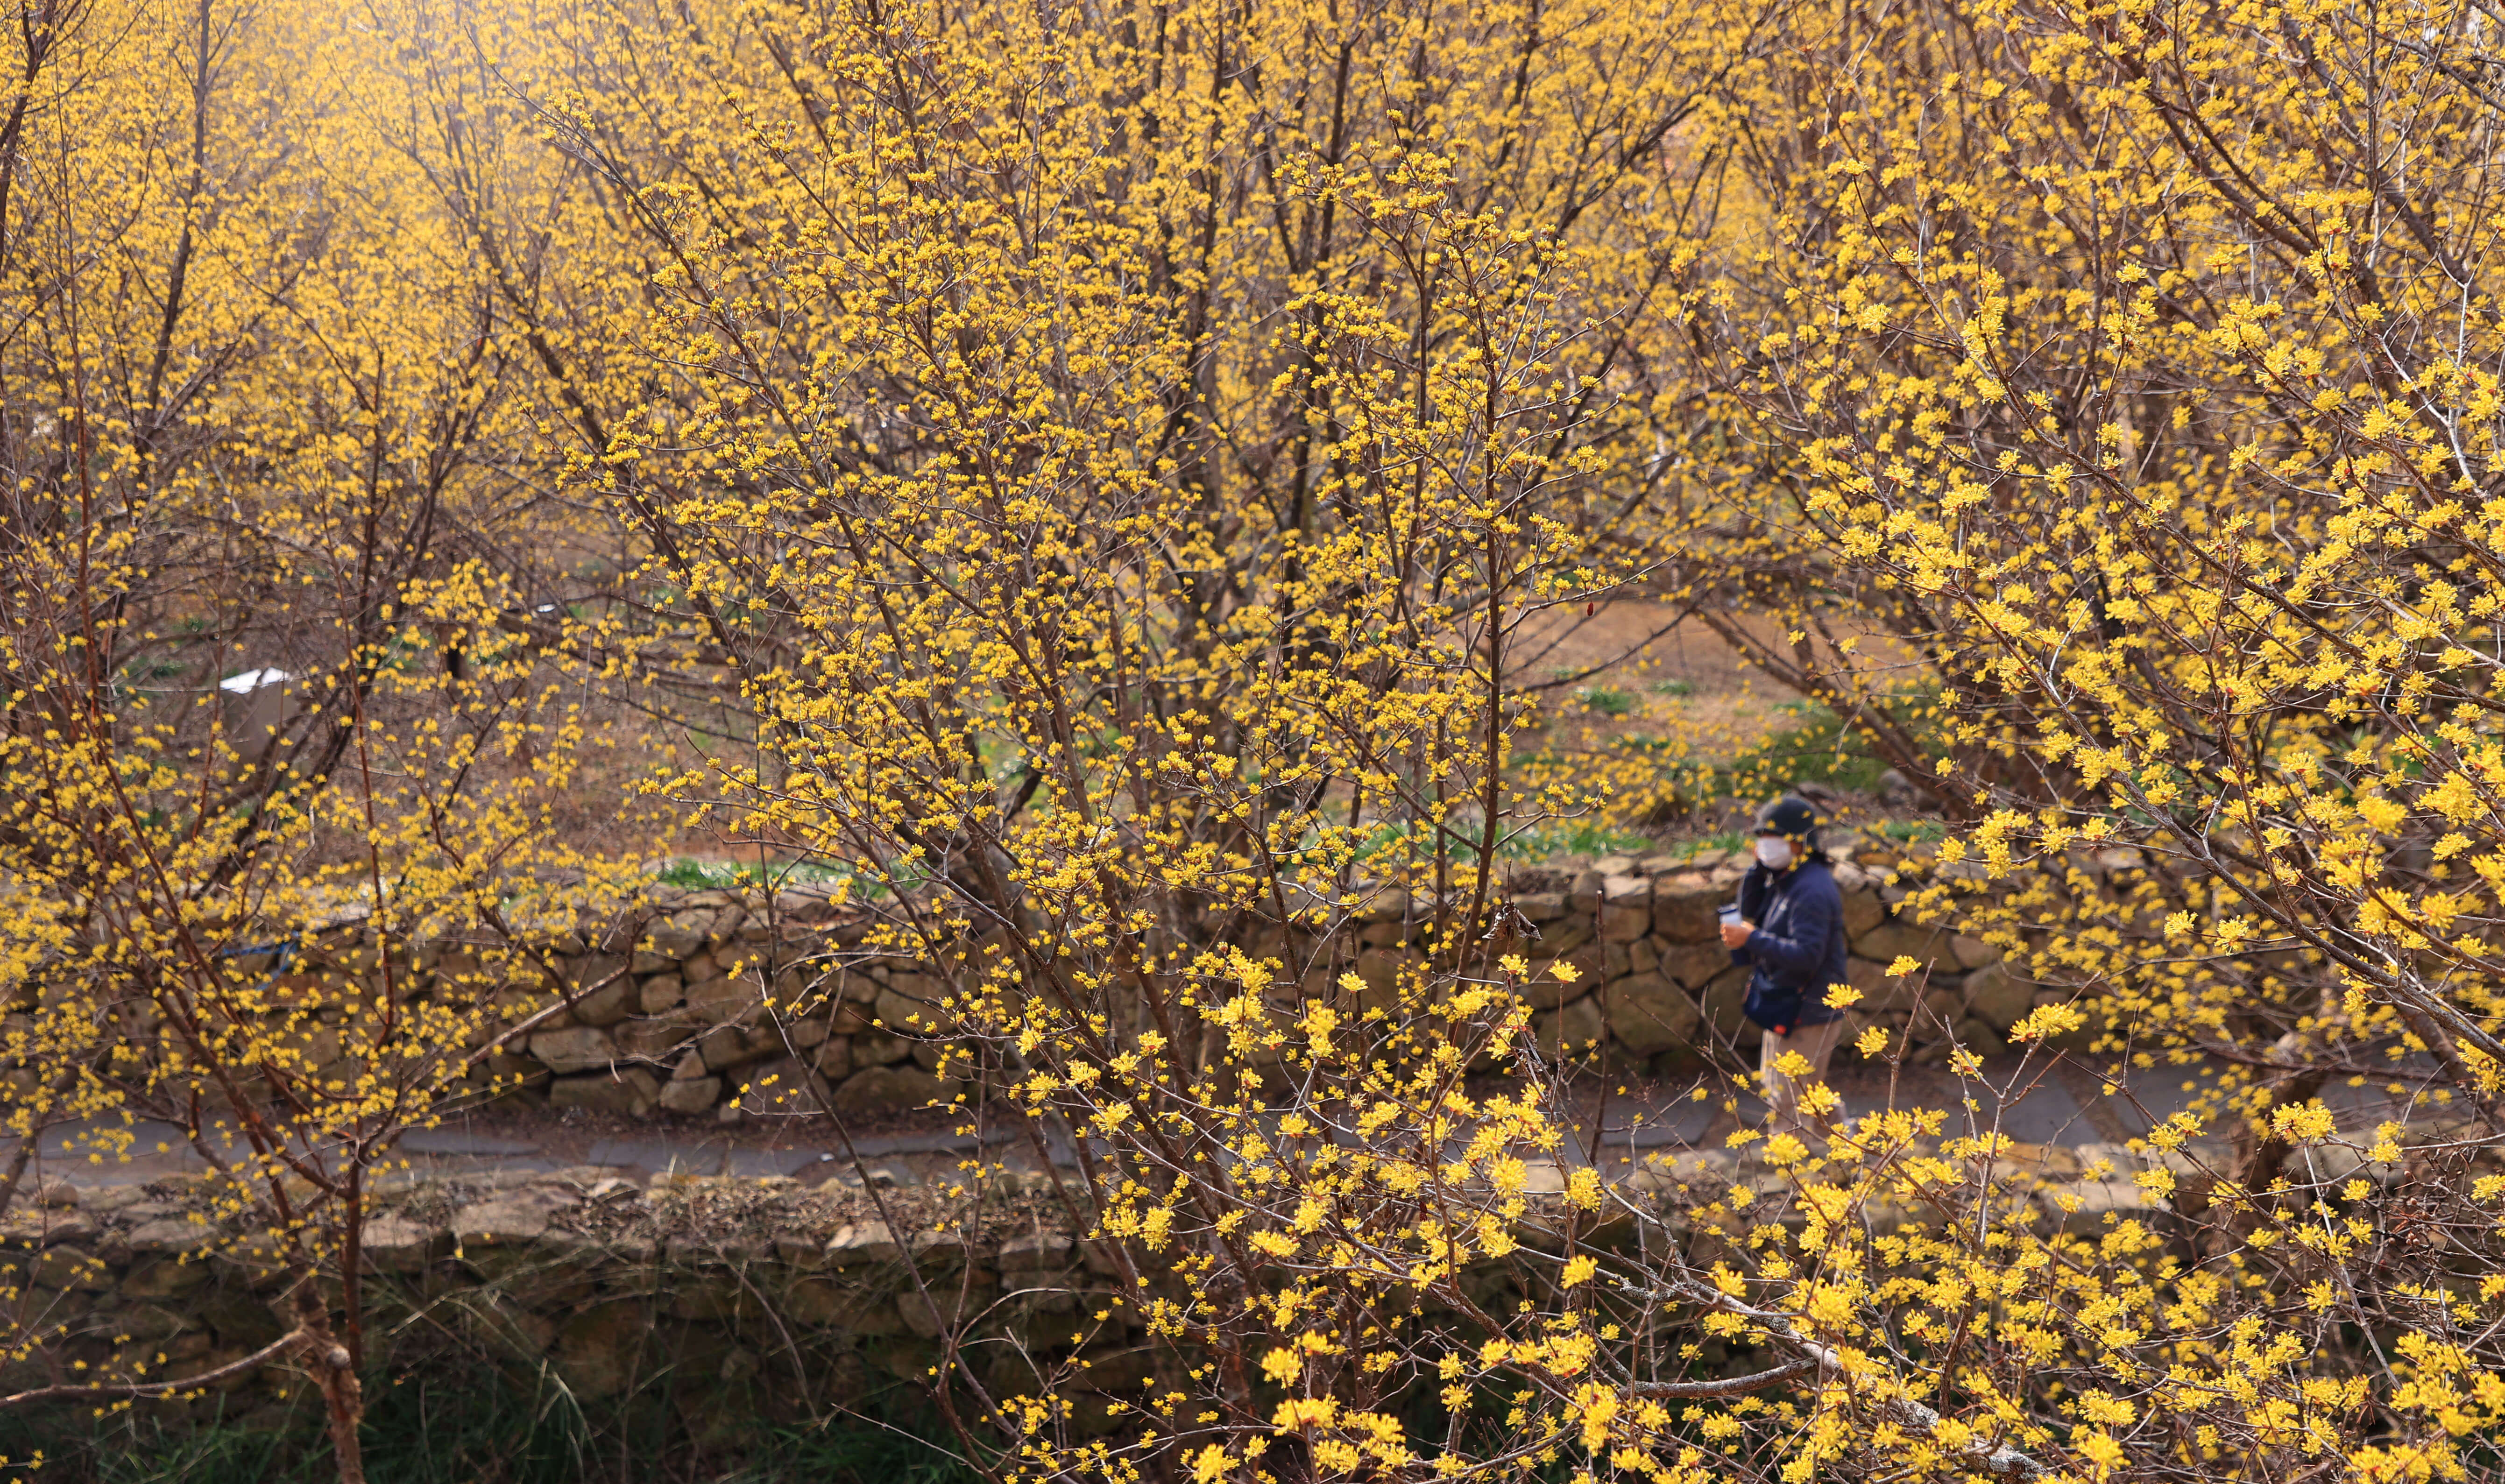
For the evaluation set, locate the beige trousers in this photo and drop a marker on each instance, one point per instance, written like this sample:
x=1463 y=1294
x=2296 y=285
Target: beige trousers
x=1816 y=1043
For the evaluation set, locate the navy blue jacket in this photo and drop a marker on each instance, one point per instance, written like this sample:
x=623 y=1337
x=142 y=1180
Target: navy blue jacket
x=1797 y=948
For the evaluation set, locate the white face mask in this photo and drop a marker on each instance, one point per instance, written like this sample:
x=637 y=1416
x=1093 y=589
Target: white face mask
x=1774 y=852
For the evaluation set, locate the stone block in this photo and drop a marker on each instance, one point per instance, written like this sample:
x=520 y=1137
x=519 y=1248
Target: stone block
x=517 y=1073
x=577 y=1050
x=1565 y=935
x=1719 y=1006
x=691 y=1095
x=396 y=1245
x=887 y=1089
x=1881 y=991
x=1695 y=965
x=1994 y=995
x=863 y=1244
x=1888 y=940
x=1979 y=1037
x=908 y=1013
x=169 y=1236
x=45 y=1308
x=714 y=1298
x=656 y=1039
x=1626 y=909
x=936 y=1249
x=238 y=1315
x=1647 y=1014
x=1038 y=1250
x=495 y=1237
x=1863 y=913
x=1545 y=991
x=1379 y=970
x=586 y=975
x=1569 y=1030
x=1971 y=953
x=787 y=1085
x=45 y=1226
x=876 y=1050
x=163 y=1278
x=607 y=1006
x=661 y=993
x=721 y=1000
x=598 y=1351
x=672 y=942
x=1686 y=907
x=727 y=1047
x=73 y=1269
x=819 y=1302
x=942 y=1304
x=153 y=1324
x=628 y=1090
x=831 y=1057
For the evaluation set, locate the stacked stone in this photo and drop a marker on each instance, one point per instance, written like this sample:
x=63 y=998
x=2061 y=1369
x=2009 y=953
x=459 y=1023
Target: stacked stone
x=684 y=1025
x=1654 y=983
x=611 y=1281
x=670 y=1012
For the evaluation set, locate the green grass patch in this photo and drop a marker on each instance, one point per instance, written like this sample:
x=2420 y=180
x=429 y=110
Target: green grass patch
x=690 y=875
x=1823 y=747
x=1572 y=837
x=1815 y=745
x=1606 y=701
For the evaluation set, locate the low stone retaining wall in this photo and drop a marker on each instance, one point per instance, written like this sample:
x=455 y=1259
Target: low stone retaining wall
x=670 y=1010
x=682 y=1027
x=750 y=1297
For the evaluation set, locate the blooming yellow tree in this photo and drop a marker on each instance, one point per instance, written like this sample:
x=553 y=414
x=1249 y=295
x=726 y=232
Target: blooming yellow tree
x=1110 y=474
x=2131 y=369
x=268 y=726
x=1122 y=454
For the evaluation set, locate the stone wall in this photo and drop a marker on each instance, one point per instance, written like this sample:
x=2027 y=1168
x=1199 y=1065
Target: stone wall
x=680 y=1026
x=758 y=1296
x=670 y=1013
x=1655 y=981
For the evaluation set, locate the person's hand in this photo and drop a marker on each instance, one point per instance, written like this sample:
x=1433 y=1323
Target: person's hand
x=1735 y=933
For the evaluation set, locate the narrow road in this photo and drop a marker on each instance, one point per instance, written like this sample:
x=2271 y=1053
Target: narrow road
x=2067 y=1106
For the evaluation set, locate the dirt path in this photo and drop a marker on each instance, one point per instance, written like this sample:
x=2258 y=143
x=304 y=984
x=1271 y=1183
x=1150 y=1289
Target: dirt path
x=2065 y=1105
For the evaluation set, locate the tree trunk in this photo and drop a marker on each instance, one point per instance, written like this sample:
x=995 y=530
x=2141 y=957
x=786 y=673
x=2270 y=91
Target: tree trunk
x=336 y=1374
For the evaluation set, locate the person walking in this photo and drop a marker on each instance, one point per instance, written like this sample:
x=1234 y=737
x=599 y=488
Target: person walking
x=1789 y=928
